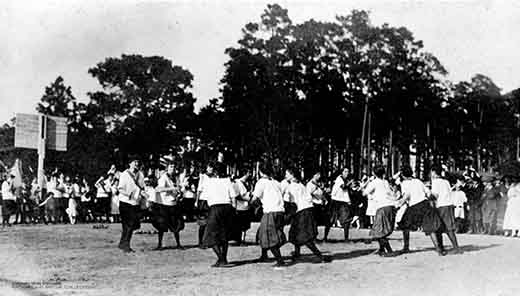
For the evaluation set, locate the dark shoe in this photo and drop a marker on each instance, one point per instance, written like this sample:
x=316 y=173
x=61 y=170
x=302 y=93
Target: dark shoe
x=217 y=264
x=441 y=252
x=405 y=250
x=180 y=248
x=158 y=249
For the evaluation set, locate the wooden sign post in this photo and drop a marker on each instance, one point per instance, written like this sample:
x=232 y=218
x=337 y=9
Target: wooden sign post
x=41 y=152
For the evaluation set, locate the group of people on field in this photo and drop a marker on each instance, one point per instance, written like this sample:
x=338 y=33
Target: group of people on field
x=224 y=206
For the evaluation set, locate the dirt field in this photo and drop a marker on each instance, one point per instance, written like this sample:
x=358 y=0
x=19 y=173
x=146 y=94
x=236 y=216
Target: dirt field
x=81 y=260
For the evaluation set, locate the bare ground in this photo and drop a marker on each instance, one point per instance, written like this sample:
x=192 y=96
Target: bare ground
x=80 y=260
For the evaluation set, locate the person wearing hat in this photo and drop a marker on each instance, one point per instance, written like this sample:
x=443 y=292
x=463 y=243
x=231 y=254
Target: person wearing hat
x=9 y=206
x=130 y=189
x=490 y=197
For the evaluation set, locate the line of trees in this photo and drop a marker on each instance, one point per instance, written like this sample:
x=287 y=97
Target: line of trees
x=315 y=94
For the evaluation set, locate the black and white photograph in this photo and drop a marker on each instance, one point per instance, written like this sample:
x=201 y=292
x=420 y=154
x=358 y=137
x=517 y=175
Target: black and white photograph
x=260 y=147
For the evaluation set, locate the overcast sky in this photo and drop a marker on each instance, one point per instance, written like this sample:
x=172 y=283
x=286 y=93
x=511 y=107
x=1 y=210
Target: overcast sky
x=44 y=39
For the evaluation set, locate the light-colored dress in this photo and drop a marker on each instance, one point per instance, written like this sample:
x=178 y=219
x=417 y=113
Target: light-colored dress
x=512 y=216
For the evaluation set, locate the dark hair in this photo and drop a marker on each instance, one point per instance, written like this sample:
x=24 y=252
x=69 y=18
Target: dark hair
x=293 y=171
x=266 y=169
x=406 y=171
x=437 y=169
x=379 y=171
x=220 y=169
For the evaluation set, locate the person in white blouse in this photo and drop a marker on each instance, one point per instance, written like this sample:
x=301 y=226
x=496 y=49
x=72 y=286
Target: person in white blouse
x=130 y=189
x=242 y=205
x=303 y=231
x=441 y=191
x=385 y=200
x=220 y=228
x=103 y=195
x=459 y=199
x=8 y=199
x=201 y=202
x=165 y=207
x=340 y=205
x=319 y=200
x=419 y=213
x=270 y=234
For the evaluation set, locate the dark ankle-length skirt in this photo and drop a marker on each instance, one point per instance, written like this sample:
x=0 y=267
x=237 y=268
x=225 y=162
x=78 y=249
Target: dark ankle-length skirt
x=130 y=215
x=219 y=229
x=270 y=233
x=9 y=207
x=447 y=215
x=303 y=227
x=321 y=215
x=422 y=215
x=384 y=222
x=243 y=219
x=339 y=211
x=167 y=218
x=290 y=211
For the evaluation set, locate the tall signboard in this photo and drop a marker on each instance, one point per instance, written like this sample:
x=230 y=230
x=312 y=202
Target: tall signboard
x=40 y=132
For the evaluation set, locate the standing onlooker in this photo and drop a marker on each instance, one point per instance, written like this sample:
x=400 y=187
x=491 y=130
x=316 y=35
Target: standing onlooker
x=501 y=203
x=188 y=181
x=103 y=195
x=512 y=216
x=473 y=189
x=114 y=204
x=459 y=200
x=9 y=206
x=490 y=197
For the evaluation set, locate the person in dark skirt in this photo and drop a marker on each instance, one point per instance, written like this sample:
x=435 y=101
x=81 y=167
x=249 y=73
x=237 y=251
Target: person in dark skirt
x=9 y=206
x=420 y=213
x=270 y=234
x=201 y=202
x=304 y=230
x=380 y=192
x=130 y=189
x=340 y=206
x=219 y=229
x=319 y=200
x=244 y=213
x=289 y=208
x=166 y=208
x=441 y=192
